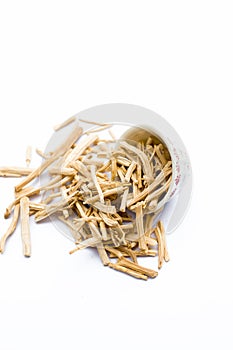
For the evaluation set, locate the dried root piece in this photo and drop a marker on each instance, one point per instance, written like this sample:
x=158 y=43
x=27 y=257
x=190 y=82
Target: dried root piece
x=65 y=123
x=11 y=228
x=160 y=247
x=112 y=134
x=108 y=209
x=133 y=266
x=124 y=200
x=92 y=122
x=28 y=155
x=96 y=183
x=163 y=236
x=130 y=253
x=63 y=171
x=42 y=154
x=95 y=130
x=102 y=253
x=25 y=230
x=103 y=231
x=160 y=153
x=137 y=253
x=130 y=171
x=14 y=171
x=128 y=271
x=140 y=229
x=64 y=196
x=114 y=169
x=89 y=242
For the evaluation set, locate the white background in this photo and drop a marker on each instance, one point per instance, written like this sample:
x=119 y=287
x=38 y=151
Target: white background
x=176 y=58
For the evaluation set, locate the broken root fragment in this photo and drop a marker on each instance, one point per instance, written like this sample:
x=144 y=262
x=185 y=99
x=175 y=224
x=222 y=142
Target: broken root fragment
x=25 y=229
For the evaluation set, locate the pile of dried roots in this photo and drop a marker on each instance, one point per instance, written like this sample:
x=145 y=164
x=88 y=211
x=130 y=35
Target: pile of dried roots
x=108 y=193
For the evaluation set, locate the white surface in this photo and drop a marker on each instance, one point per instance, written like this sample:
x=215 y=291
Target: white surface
x=174 y=57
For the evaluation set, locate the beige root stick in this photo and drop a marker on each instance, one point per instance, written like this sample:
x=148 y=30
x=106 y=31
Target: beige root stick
x=64 y=195
x=162 y=230
x=15 y=171
x=103 y=231
x=130 y=171
x=129 y=252
x=112 y=134
x=128 y=271
x=159 y=191
x=63 y=171
x=160 y=247
x=25 y=230
x=133 y=266
x=160 y=153
x=42 y=154
x=11 y=228
x=65 y=123
x=36 y=206
x=114 y=169
x=56 y=183
x=92 y=122
x=114 y=251
x=138 y=253
x=96 y=183
x=120 y=174
x=105 y=167
x=101 y=128
x=5 y=174
x=28 y=155
x=140 y=228
x=89 y=242
x=102 y=253
x=139 y=176
x=107 y=193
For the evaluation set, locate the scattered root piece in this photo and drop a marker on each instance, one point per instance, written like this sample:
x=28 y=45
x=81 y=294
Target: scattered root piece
x=162 y=231
x=25 y=230
x=160 y=247
x=129 y=252
x=14 y=171
x=133 y=266
x=101 y=128
x=65 y=123
x=42 y=154
x=92 y=122
x=96 y=183
x=28 y=155
x=128 y=271
x=102 y=253
x=11 y=228
x=112 y=135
